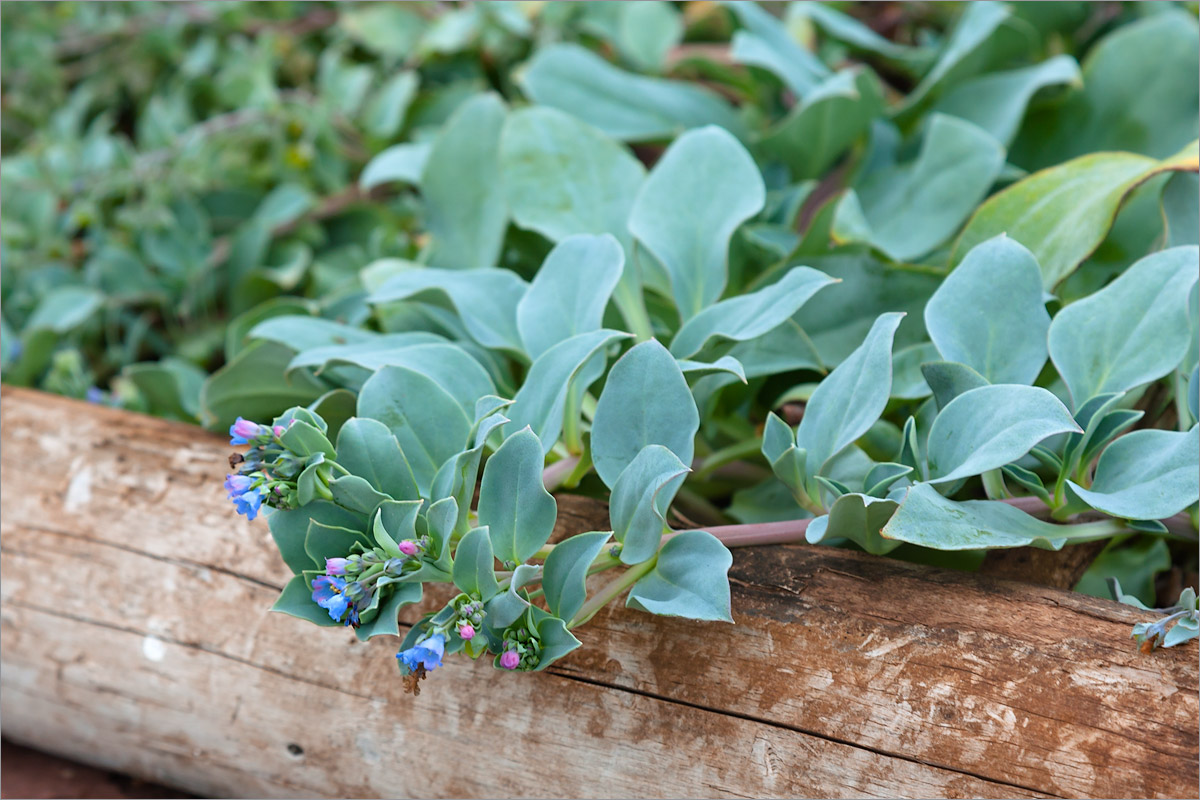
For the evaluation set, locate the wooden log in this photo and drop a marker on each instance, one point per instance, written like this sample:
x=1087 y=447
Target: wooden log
x=135 y=636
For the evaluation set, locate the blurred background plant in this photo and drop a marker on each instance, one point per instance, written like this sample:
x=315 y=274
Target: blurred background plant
x=176 y=174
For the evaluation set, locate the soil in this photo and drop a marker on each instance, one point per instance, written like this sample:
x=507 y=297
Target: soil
x=33 y=774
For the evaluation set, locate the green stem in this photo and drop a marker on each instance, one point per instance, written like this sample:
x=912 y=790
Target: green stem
x=571 y=432
x=727 y=455
x=993 y=484
x=611 y=590
x=633 y=308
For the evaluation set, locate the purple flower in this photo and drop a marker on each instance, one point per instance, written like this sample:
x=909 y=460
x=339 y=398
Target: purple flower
x=509 y=659
x=242 y=431
x=336 y=566
x=327 y=593
x=426 y=653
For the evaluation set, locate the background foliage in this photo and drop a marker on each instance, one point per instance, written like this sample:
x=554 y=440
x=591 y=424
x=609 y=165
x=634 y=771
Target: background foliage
x=224 y=209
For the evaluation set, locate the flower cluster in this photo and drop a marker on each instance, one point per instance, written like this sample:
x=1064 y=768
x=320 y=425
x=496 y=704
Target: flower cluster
x=520 y=650
x=267 y=473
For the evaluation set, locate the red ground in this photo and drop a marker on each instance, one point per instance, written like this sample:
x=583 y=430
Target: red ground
x=32 y=774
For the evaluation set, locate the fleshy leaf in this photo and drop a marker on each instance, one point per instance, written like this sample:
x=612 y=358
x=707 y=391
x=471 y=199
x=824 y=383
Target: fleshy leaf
x=989 y=313
x=645 y=401
x=927 y=519
x=1147 y=474
x=750 y=315
x=690 y=579
x=570 y=291
x=513 y=503
x=464 y=200
x=475 y=565
x=1131 y=332
x=640 y=499
x=851 y=397
x=485 y=299
x=623 y=105
x=564 y=576
x=428 y=423
x=367 y=448
x=542 y=398
x=702 y=188
x=991 y=426
x=857 y=517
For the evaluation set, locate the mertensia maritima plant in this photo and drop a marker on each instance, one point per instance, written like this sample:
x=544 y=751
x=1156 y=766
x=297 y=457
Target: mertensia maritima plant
x=749 y=275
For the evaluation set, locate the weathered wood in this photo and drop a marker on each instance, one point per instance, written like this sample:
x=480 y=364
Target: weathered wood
x=135 y=636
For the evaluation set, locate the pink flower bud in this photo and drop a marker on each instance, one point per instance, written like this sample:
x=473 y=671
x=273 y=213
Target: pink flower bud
x=277 y=430
x=509 y=659
x=408 y=547
x=466 y=631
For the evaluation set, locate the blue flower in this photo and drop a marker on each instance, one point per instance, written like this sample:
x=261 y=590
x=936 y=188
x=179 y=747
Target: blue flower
x=426 y=653
x=327 y=593
x=242 y=431
x=246 y=493
x=248 y=504
x=94 y=395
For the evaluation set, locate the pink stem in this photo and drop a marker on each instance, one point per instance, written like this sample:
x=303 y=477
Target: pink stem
x=759 y=533
x=553 y=475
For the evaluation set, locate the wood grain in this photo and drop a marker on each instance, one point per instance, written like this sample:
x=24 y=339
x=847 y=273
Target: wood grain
x=135 y=636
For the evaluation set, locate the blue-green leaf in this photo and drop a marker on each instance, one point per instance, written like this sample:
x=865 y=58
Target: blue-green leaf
x=1147 y=474
x=296 y=600
x=475 y=565
x=465 y=210
x=541 y=400
x=690 y=579
x=402 y=163
x=596 y=179
x=949 y=379
x=988 y=427
x=367 y=448
x=765 y=43
x=328 y=541
x=645 y=401
x=513 y=503
x=996 y=101
x=989 y=313
x=907 y=209
x=386 y=622
x=702 y=188
x=485 y=299
x=825 y=124
x=1131 y=332
x=428 y=423
x=289 y=528
x=960 y=54
x=564 y=576
x=850 y=398
x=640 y=499
x=927 y=519
x=857 y=517
x=749 y=316
x=623 y=105
x=556 y=641
x=570 y=292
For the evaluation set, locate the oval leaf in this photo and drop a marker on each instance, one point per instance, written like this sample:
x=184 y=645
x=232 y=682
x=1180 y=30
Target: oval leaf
x=988 y=427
